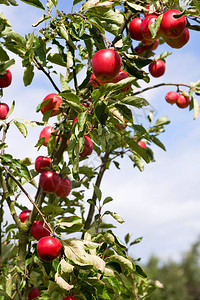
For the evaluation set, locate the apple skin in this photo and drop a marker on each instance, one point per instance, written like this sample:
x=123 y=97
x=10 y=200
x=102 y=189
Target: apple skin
x=41 y=163
x=49 y=181
x=106 y=64
x=172 y=27
x=182 y=101
x=88 y=147
x=134 y=29
x=34 y=293
x=64 y=188
x=46 y=132
x=122 y=75
x=95 y=82
x=48 y=248
x=171 y=97
x=179 y=41
x=23 y=216
x=142 y=144
x=53 y=105
x=157 y=68
x=6 y=79
x=4 y=109
x=152 y=46
x=70 y=298
x=39 y=230
x=147 y=36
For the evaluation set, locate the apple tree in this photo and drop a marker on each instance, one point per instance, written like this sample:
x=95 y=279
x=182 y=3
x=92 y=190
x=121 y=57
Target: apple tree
x=93 y=117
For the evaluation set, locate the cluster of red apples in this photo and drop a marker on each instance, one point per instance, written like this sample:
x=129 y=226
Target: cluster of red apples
x=5 y=81
x=173 y=30
x=179 y=99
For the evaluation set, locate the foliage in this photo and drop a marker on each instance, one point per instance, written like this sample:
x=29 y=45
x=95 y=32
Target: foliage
x=96 y=265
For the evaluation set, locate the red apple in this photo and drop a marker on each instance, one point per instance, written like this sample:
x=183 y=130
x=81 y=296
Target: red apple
x=122 y=75
x=23 y=216
x=134 y=29
x=5 y=80
x=95 y=82
x=182 y=101
x=49 y=181
x=106 y=64
x=179 y=41
x=39 y=229
x=42 y=163
x=171 y=97
x=88 y=147
x=64 y=187
x=48 y=248
x=46 y=132
x=34 y=293
x=4 y=109
x=157 y=68
x=172 y=27
x=147 y=36
x=70 y=298
x=53 y=105
x=142 y=144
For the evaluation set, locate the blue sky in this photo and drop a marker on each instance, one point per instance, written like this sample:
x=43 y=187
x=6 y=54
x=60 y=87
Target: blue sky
x=162 y=204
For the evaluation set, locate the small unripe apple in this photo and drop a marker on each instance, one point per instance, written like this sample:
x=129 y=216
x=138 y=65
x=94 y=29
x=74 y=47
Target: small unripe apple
x=4 y=109
x=70 y=298
x=39 y=229
x=42 y=163
x=34 y=293
x=134 y=29
x=49 y=181
x=48 y=248
x=106 y=64
x=46 y=133
x=157 y=68
x=5 y=80
x=179 y=41
x=64 y=188
x=173 y=27
x=171 y=97
x=88 y=147
x=183 y=101
x=151 y=18
x=53 y=105
x=122 y=75
x=23 y=216
x=95 y=82
x=142 y=144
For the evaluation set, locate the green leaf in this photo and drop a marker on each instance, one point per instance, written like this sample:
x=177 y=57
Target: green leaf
x=97 y=192
x=22 y=128
x=127 y=238
x=156 y=141
x=63 y=283
x=154 y=27
x=3 y=55
x=125 y=111
x=116 y=216
x=140 y=272
x=69 y=224
x=107 y=200
x=136 y=241
x=101 y=112
x=28 y=75
x=137 y=162
x=35 y=3
x=162 y=121
x=135 y=147
x=135 y=101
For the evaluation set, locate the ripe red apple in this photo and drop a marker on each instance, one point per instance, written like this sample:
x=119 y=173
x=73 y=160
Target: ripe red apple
x=49 y=181
x=106 y=64
x=70 y=298
x=5 y=80
x=42 y=163
x=172 y=27
x=182 y=101
x=134 y=29
x=157 y=68
x=179 y=41
x=53 y=105
x=4 y=109
x=48 y=248
x=95 y=82
x=171 y=97
x=46 y=132
x=23 y=216
x=34 y=293
x=88 y=147
x=142 y=144
x=64 y=187
x=147 y=36
x=39 y=229
x=122 y=75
